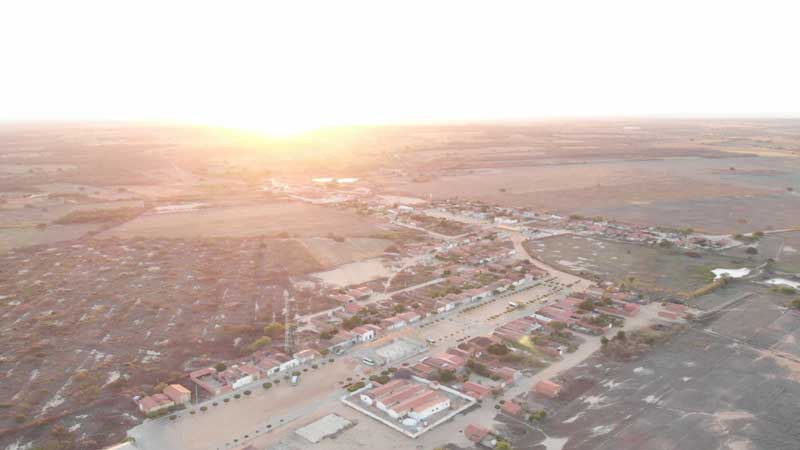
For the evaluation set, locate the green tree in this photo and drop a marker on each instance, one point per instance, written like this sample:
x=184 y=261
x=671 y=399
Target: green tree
x=503 y=444
x=274 y=329
x=220 y=367
x=447 y=376
x=263 y=341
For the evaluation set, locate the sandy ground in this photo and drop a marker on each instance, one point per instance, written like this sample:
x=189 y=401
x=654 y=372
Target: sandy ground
x=330 y=253
x=354 y=273
x=249 y=220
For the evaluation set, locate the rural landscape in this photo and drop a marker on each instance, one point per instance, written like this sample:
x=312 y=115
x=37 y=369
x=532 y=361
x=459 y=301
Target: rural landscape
x=542 y=285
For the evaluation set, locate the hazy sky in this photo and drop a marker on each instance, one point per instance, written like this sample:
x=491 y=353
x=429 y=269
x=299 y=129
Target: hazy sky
x=293 y=64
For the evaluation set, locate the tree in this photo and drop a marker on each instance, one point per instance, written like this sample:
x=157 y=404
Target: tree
x=498 y=349
x=586 y=305
x=274 y=329
x=398 y=308
x=220 y=367
x=604 y=340
x=261 y=342
x=503 y=444
x=621 y=335
x=447 y=376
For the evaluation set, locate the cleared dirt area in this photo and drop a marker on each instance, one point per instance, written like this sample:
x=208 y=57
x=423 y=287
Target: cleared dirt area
x=249 y=220
x=331 y=253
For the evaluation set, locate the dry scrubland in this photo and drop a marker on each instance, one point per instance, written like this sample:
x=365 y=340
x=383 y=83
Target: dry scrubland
x=86 y=326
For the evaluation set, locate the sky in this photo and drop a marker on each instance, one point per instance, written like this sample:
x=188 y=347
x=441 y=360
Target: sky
x=293 y=65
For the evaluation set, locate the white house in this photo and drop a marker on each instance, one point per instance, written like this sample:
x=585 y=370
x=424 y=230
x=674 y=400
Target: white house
x=363 y=334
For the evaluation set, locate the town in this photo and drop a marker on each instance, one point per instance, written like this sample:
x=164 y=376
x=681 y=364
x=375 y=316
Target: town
x=467 y=324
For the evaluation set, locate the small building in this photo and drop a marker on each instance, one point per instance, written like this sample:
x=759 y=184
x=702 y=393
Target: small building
x=507 y=374
x=476 y=433
x=393 y=323
x=363 y=334
x=178 y=394
x=155 y=403
x=547 y=388
x=353 y=308
x=409 y=317
x=511 y=407
x=361 y=293
x=208 y=380
x=476 y=390
x=307 y=355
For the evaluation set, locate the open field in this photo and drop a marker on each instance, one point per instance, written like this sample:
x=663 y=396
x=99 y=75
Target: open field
x=249 y=220
x=654 y=269
x=27 y=222
x=330 y=253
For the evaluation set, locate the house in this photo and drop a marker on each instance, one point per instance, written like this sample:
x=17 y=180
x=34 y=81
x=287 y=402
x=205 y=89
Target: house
x=343 y=298
x=424 y=370
x=286 y=362
x=241 y=375
x=447 y=361
x=208 y=380
x=476 y=390
x=511 y=407
x=155 y=403
x=353 y=308
x=363 y=334
x=361 y=293
x=476 y=433
x=178 y=394
x=393 y=323
x=507 y=374
x=307 y=355
x=343 y=340
x=547 y=388
x=409 y=317
x=269 y=366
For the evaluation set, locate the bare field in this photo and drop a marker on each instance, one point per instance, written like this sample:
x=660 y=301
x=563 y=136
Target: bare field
x=248 y=220
x=330 y=253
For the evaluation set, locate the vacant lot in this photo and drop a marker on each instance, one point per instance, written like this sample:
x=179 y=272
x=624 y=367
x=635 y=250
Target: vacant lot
x=331 y=253
x=653 y=269
x=249 y=220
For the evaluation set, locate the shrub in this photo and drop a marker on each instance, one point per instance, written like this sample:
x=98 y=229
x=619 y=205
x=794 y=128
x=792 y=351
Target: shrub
x=266 y=385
